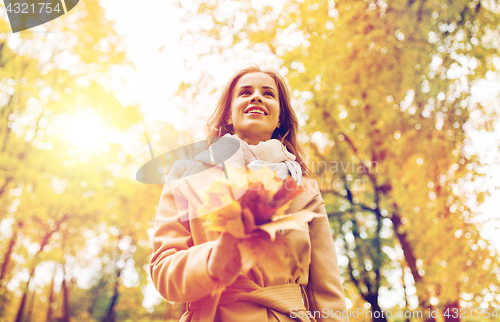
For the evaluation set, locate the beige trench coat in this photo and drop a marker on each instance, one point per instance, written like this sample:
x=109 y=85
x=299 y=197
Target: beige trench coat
x=181 y=249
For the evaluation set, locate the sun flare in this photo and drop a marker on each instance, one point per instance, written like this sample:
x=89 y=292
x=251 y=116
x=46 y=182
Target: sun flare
x=86 y=130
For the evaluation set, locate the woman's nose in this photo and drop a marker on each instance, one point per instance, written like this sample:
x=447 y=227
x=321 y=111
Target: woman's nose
x=257 y=98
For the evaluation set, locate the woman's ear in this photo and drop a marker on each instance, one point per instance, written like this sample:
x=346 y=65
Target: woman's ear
x=229 y=122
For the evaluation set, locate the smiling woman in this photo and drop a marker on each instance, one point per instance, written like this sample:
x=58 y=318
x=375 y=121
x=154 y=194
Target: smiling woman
x=253 y=83
x=255 y=108
x=200 y=262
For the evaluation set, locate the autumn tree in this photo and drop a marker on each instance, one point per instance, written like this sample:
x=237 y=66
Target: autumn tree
x=65 y=172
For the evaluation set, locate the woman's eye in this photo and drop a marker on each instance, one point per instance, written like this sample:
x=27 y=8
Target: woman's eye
x=244 y=92
x=269 y=93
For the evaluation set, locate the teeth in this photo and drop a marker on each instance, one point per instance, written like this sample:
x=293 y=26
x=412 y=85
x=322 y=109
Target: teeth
x=255 y=111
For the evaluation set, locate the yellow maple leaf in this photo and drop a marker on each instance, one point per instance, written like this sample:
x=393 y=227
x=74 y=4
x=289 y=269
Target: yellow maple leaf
x=227 y=219
x=267 y=177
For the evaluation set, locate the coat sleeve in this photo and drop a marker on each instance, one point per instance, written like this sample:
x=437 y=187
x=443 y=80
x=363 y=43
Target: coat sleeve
x=324 y=289
x=178 y=267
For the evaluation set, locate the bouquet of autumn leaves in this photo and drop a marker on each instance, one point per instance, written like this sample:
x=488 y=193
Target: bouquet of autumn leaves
x=258 y=218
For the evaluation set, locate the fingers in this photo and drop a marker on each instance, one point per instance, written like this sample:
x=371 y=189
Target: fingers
x=291 y=169
x=295 y=170
x=299 y=172
x=281 y=170
x=256 y=165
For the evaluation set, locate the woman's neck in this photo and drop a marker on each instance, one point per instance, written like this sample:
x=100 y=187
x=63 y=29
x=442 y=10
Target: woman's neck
x=253 y=139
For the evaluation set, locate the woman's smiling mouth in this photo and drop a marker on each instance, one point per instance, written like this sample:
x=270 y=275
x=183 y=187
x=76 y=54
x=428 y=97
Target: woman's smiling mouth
x=255 y=110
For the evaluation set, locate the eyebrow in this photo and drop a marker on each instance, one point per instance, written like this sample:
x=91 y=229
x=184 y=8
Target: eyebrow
x=266 y=87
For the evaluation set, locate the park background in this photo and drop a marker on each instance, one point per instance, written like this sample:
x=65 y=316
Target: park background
x=409 y=86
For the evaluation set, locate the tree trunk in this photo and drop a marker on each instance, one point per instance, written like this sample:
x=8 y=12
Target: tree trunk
x=43 y=243
x=404 y=288
x=452 y=308
x=51 y=297
x=22 y=305
x=5 y=184
x=66 y=311
x=110 y=316
x=6 y=139
x=20 y=311
x=29 y=312
x=6 y=259
x=376 y=312
x=411 y=260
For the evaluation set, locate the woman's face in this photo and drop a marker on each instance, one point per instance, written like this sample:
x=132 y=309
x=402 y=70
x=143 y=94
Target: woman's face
x=255 y=108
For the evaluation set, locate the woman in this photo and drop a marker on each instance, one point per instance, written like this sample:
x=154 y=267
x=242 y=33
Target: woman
x=189 y=262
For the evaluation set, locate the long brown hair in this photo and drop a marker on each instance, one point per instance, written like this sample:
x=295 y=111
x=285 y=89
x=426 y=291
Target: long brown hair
x=287 y=133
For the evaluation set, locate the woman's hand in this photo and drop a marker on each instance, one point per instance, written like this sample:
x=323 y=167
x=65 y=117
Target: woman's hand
x=295 y=170
x=224 y=262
